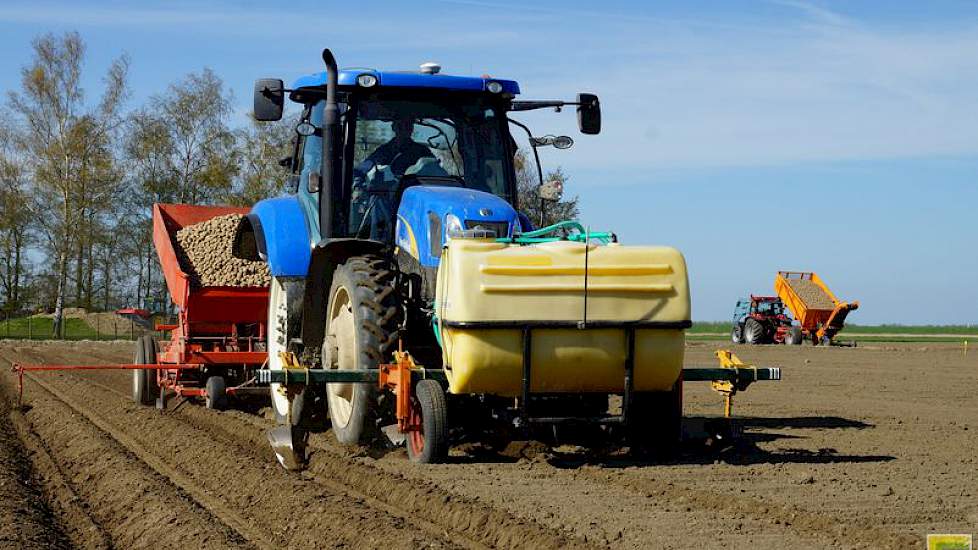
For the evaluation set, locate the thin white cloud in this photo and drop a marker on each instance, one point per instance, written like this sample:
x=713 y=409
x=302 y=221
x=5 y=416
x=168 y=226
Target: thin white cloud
x=819 y=87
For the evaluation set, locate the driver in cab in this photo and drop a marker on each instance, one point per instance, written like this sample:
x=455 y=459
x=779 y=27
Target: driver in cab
x=373 y=184
x=401 y=152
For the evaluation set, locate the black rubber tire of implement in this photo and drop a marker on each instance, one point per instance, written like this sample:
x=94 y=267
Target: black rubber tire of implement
x=144 y=387
x=655 y=422
x=216 y=398
x=753 y=332
x=794 y=336
x=434 y=424
x=737 y=334
x=369 y=282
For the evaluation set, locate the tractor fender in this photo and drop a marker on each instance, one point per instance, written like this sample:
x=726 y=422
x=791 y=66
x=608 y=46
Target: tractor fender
x=326 y=256
x=276 y=231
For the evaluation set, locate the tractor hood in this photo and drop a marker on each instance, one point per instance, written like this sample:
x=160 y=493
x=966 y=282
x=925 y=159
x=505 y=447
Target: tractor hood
x=428 y=214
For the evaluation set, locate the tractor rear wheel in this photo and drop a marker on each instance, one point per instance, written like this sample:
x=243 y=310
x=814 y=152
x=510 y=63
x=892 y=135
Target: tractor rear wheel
x=794 y=336
x=737 y=334
x=144 y=386
x=428 y=442
x=753 y=332
x=363 y=315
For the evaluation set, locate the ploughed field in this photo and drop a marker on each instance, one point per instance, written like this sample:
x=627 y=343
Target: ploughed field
x=868 y=447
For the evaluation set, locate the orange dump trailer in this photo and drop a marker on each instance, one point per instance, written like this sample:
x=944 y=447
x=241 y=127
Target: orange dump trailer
x=820 y=314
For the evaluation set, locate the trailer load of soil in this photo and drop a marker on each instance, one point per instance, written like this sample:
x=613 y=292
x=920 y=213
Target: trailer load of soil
x=810 y=293
x=204 y=251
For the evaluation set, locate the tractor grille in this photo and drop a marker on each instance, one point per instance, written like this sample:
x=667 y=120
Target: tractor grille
x=501 y=229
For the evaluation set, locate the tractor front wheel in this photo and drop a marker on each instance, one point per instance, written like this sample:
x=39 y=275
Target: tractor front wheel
x=363 y=321
x=753 y=332
x=737 y=334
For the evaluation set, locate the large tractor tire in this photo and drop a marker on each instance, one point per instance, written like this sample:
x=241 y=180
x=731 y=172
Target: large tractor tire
x=737 y=334
x=794 y=336
x=363 y=316
x=288 y=438
x=284 y=321
x=144 y=386
x=754 y=333
x=655 y=421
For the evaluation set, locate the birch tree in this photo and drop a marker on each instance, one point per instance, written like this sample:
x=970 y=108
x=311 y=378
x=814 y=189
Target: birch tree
x=64 y=139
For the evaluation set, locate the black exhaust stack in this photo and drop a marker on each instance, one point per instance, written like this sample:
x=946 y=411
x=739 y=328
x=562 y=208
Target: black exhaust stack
x=328 y=190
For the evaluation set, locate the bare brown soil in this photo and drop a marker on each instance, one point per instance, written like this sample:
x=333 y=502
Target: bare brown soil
x=871 y=447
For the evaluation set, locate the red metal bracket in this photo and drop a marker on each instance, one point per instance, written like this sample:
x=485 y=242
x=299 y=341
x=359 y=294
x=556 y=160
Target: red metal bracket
x=397 y=378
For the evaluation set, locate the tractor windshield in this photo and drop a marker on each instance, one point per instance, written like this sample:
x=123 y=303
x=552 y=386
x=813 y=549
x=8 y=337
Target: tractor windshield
x=400 y=142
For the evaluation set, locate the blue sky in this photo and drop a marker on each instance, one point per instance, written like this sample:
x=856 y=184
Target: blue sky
x=838 y=137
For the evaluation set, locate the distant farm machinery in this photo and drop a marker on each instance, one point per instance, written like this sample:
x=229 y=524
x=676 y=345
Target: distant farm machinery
x=768 y=319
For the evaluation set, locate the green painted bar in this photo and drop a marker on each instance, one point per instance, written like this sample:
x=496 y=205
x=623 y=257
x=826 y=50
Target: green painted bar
x=328 y=376
x=694 y=374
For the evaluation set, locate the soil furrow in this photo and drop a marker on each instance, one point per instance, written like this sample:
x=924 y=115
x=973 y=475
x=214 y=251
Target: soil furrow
x=172 y=475
x=134 y=505
x=67 y=505
x=287 y=505
x=28 y=520
x=468 y=523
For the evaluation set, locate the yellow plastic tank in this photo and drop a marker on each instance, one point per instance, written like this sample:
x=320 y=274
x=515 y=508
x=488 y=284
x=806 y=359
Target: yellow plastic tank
x=488 y=291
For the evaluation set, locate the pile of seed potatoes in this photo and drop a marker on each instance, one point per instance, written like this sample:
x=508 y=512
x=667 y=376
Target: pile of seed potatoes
x=204 y=251
x=812 y=294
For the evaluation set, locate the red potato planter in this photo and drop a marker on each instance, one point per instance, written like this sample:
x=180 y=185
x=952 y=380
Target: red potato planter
x=218 y=340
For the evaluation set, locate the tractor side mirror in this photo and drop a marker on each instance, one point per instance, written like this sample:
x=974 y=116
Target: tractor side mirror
x=588 y=114
x=552 y=190
x=269 y=99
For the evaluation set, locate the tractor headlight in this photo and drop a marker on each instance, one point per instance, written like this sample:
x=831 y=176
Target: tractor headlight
x=494 y=87
x=453 y=227
x=366 y=80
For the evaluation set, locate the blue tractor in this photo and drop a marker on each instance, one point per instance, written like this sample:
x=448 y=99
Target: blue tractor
x=386 y=167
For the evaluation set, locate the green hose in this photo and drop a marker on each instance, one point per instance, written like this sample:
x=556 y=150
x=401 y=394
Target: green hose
x=434 y=326
x=540 y=235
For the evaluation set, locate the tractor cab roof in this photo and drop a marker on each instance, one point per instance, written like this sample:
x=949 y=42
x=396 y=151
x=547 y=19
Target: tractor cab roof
x=350 y=78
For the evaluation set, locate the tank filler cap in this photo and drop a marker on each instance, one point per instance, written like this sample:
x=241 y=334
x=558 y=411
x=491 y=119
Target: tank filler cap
x=430 y=68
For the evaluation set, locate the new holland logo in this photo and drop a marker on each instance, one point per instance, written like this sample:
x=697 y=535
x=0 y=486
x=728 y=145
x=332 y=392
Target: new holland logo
x=485 y=212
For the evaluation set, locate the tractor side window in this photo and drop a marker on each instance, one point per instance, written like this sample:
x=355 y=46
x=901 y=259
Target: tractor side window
x=312 y=146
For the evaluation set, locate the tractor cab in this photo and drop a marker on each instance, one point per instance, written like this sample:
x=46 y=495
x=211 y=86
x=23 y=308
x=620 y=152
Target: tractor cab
x=394 y=131
x=767 y=306
x=393 y=137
